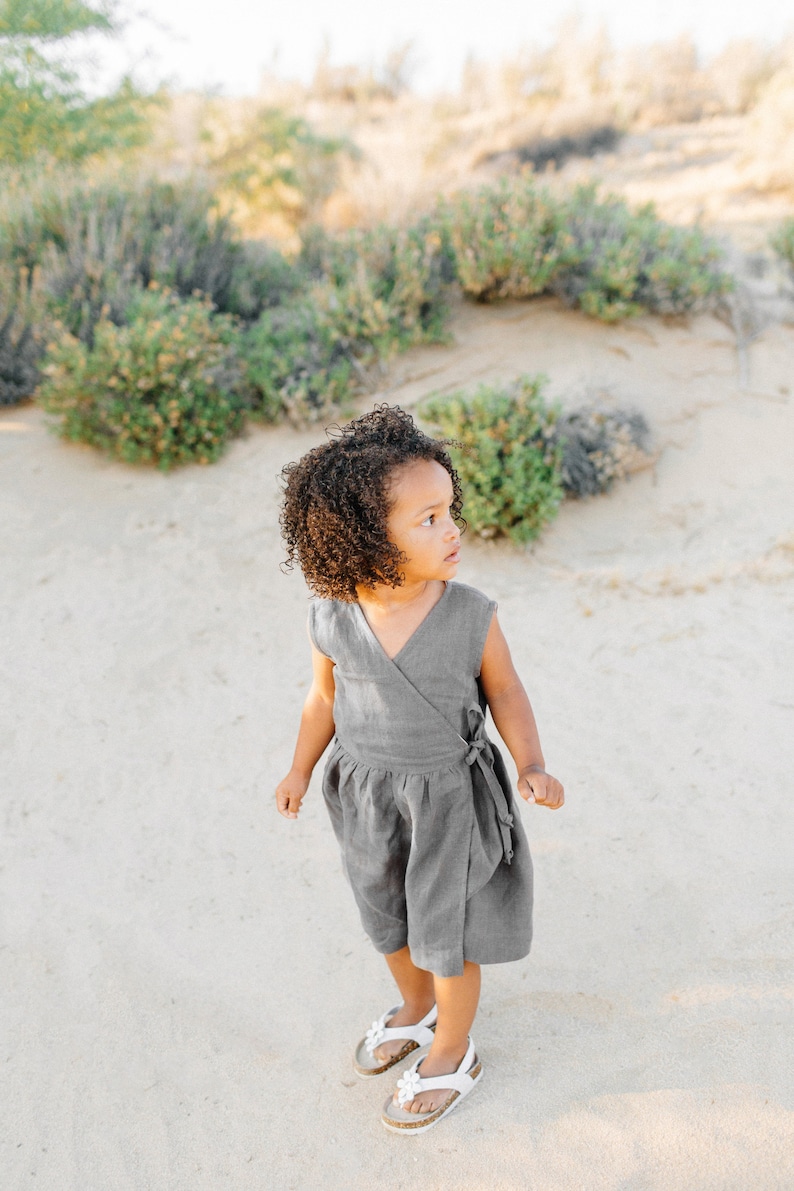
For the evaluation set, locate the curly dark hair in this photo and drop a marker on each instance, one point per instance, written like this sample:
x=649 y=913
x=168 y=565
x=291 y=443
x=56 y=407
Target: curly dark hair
x=336 y=502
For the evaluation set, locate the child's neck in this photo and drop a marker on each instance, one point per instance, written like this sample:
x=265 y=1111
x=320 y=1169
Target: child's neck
x=384 y=600
x=395 y=613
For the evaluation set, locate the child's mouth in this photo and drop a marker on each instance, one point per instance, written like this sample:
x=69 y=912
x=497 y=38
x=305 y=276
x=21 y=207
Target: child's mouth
x=454 y=556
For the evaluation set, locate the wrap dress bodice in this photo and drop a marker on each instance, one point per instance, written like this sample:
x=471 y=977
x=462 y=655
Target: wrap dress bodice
x=418 y=795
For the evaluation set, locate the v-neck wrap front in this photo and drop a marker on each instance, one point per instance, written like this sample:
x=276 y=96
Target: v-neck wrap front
x=418 y=796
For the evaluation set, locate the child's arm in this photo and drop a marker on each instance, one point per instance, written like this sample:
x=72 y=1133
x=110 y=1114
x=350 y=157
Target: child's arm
x=515 y=722
x=316 y=730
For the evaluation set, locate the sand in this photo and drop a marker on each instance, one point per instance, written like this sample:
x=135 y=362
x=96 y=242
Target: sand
x=183 y=972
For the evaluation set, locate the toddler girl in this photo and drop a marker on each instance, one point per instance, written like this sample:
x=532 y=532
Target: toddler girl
x=405 y=662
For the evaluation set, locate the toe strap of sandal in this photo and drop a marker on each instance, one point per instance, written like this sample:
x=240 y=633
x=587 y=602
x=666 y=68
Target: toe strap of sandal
x=420 y=1033
x=412 y=1084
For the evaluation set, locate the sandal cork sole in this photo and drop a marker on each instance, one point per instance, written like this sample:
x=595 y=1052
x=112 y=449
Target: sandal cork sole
x=397 y=1120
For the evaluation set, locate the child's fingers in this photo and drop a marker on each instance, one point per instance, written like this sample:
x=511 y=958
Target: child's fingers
x=525 y=790
x=288 y=803
x=543 y=789
x=551 y=793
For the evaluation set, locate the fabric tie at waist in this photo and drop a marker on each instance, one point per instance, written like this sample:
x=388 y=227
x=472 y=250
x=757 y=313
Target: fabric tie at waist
x=479 y=752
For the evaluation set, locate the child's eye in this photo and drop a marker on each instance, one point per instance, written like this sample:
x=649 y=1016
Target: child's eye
x=429 y=520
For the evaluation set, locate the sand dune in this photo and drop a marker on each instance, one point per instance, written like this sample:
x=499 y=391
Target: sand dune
x=183 y=971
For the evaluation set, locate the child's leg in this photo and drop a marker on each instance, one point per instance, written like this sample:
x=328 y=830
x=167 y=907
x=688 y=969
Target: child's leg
x=417 y=992
x=457 y=998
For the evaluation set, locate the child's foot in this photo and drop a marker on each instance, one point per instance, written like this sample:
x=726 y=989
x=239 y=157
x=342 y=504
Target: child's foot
x=394 y=1036
x=435 y=1063
x=405 y=1016
x=422 y=1099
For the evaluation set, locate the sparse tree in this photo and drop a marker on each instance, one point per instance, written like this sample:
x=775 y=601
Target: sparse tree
x=44 y=110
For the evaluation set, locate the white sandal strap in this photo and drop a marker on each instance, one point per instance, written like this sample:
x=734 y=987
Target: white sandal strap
x=412 y=1083
x=420 y=1033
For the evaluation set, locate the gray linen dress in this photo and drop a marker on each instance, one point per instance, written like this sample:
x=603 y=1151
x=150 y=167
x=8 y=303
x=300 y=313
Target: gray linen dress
x=419 y=798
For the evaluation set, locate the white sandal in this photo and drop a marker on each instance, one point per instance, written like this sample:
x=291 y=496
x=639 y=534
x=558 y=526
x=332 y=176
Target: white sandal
x=460 y=1083
x=414 y=1036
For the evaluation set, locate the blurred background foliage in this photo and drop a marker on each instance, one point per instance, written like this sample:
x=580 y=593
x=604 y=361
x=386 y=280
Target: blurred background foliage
x=44 y=109
x=293 y=241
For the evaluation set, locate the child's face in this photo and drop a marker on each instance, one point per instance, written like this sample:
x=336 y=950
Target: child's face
x=420 y=523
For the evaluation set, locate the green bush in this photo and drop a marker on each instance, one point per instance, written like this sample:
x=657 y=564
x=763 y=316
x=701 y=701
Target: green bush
x=506 y=241
x=516 y=240
x=295 y=366
x=624 y=262
x=381 y=290
x=98 y=243
x=782 y=241
x=163 y=389
x=507 y=454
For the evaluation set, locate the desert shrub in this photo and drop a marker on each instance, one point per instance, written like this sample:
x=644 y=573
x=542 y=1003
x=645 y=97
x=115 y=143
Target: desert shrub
x=622 y=262
x=782 y=240
x=21 y=333
x=114 y=238
x=506 y=241
x=263 y=278
x=295 y=366
x=598 y=447
x=541 y=151
x=20 y=352
x=507 y=454
x=98 y=243
x=516 y=240
x=380 y=290
x=164 y=388
x=368 y=295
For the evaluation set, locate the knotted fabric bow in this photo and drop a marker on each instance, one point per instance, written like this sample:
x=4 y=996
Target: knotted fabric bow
x=480 y=751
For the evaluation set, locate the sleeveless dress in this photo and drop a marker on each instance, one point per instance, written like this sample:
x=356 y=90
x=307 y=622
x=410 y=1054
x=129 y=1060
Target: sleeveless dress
x=419 y=799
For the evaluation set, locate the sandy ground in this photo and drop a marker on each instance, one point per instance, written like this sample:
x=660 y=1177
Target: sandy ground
x=183 y=972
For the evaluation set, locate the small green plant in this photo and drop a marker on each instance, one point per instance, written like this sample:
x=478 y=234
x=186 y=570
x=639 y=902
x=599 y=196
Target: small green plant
x=163 y=389
x=295 y=366
x=507 y=454
x=506 y=241
x=782 y=241
x=599 y=446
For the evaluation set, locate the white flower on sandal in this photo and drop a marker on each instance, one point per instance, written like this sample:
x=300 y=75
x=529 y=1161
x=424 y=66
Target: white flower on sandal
x=375 y=1035
x=409 y=1086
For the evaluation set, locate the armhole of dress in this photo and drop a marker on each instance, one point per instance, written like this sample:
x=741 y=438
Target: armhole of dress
x=310 y=625
x=492 y=607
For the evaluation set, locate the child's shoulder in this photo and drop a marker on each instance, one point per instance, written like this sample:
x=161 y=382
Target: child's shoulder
x=324 y=617
x=462 y=596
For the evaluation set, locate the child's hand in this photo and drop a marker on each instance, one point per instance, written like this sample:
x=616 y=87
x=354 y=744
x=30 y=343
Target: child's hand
x=536 y=785
x=290 y=793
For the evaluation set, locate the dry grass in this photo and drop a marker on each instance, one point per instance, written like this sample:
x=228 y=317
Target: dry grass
x=576 y=97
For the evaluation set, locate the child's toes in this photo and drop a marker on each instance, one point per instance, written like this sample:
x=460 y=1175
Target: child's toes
x=428 y=1102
